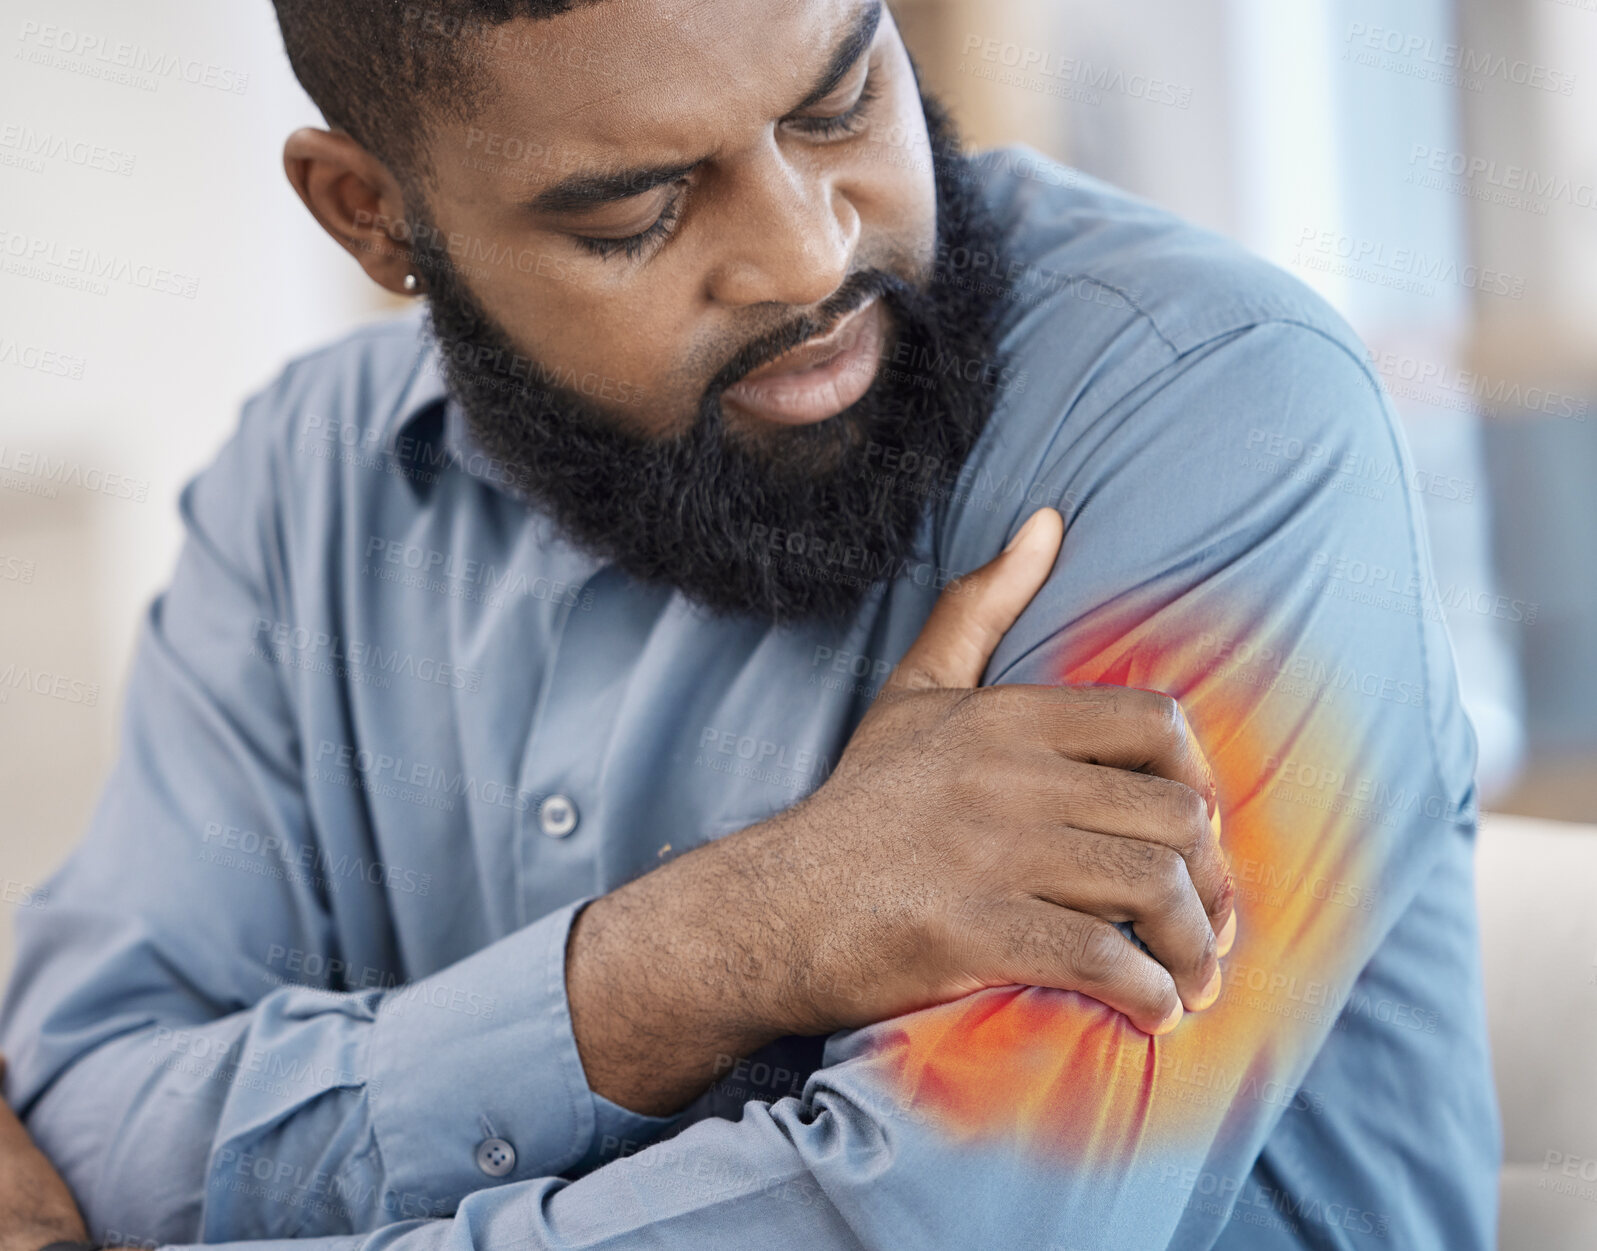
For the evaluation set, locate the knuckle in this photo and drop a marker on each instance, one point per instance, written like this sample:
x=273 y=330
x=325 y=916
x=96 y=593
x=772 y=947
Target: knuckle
x=1098 y=953
x=1172 y=884
x=979 y=790
x=1163 y=718
x=1186 y=814
x=989 y=855
x=969 y=786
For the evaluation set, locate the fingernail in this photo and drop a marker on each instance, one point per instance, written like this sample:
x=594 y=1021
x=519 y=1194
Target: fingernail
x=1227 y=936
x=1209 y=994
x=1171 y=1021
x=1020 y=534
x=1228 y=891
x=1214 y=821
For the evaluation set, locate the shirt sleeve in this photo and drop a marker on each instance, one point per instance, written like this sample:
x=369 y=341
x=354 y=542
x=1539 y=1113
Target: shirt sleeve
x=1293 y=617
x=157 y=1049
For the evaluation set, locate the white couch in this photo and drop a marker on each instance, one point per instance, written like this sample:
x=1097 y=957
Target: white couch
x=1537 y=885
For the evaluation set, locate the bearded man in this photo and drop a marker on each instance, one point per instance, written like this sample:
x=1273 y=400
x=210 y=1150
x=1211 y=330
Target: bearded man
x=757 y=720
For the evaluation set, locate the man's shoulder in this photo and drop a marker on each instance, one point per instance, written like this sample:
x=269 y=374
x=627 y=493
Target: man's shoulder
x=1081 y=251
x=319 y=432
x=1151 y=353
x=1114 y=302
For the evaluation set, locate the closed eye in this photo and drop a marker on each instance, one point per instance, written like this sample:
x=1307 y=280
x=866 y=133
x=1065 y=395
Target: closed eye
x=635 y=245
x=850 y=122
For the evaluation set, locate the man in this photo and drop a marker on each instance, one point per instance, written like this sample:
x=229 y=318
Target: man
x=569 y=798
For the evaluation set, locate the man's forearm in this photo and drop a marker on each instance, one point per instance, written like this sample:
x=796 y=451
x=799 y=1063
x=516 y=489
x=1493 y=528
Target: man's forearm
x=694 y=962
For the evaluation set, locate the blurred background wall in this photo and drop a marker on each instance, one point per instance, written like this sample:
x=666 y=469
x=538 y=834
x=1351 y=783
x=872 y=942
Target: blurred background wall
x=114 y=390
x=1429 y=165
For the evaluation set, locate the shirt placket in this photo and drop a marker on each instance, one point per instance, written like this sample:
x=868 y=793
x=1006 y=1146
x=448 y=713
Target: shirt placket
x=561 y=814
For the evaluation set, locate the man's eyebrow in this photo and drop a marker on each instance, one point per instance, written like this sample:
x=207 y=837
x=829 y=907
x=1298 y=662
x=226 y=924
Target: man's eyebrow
x=859 y=38
x=585 y=191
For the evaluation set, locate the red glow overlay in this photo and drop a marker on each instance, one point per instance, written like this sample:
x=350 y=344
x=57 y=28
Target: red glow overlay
x=1059 y=1074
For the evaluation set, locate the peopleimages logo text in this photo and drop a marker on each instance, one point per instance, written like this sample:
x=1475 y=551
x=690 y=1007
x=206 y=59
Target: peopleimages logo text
x=1461 y=57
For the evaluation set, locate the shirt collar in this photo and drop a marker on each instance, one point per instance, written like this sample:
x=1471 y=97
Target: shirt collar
x=426 y=435
x=413 y=433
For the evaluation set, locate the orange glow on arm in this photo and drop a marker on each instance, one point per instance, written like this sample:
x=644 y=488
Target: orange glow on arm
x=1067 y=1075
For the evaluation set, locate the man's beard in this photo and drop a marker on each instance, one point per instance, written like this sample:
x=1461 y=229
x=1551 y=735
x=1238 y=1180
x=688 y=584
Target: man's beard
x=794 y=525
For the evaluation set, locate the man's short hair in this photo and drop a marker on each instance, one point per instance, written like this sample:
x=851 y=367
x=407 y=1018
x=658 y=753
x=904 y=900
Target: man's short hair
x=384 y=71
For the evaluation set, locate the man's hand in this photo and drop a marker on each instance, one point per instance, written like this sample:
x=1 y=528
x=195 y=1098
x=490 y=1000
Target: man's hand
x=36 y=1208
x=988 y=837
x=967 y=838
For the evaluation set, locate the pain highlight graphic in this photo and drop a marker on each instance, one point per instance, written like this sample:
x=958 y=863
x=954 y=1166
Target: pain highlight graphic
x=1312 y=822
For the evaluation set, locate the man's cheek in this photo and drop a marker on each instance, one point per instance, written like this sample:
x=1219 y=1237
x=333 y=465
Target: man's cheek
x=630 y=366
x=908 y=202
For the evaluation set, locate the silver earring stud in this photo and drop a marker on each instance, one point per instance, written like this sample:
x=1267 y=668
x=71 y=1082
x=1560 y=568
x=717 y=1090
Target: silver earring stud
x=411 y=283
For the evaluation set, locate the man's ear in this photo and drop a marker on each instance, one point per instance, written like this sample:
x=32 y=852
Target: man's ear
x=356 y=200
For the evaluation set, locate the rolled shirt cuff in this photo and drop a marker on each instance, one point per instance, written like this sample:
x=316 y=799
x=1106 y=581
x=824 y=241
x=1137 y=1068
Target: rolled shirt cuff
x=476 y=1080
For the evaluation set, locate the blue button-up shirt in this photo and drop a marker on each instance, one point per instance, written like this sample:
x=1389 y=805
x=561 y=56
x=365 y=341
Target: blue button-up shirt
x=387 y=730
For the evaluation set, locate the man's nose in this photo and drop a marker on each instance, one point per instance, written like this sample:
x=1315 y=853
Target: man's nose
x=790 y=233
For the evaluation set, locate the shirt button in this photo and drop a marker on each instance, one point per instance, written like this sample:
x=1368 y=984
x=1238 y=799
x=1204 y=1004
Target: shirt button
x=495 y=1156
x=557 y=816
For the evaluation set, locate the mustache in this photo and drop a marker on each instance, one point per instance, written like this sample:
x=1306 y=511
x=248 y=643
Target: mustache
x=858 y=290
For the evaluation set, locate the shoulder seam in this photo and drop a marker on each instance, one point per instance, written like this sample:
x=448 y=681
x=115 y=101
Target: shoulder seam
x=1072 y=278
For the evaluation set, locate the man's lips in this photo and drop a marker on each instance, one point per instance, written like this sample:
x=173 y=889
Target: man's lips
x=819 y=378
